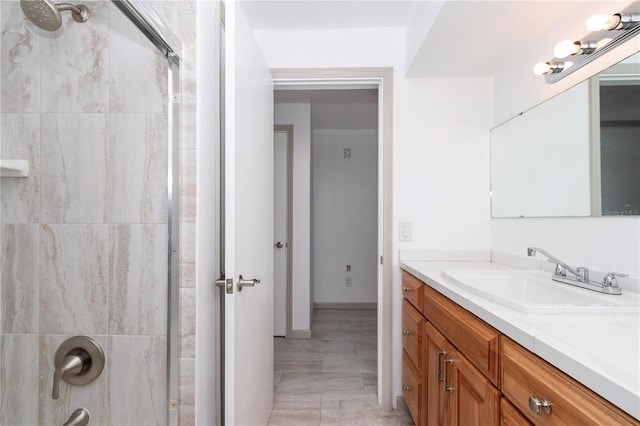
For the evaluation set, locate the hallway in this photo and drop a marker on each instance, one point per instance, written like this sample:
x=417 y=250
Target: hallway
x=331 y=378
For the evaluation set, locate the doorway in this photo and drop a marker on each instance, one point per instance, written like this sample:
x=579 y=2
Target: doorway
x=283 y=230
x=372 y=78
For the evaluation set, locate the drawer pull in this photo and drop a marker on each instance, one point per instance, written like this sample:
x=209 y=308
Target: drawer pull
x=406 y=388
x=438 y=363
x=536 y=405
x=406 y=289
x=446 y=388
x=406 y=332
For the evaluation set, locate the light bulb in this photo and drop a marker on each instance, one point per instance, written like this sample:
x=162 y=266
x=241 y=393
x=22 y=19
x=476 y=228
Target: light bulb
x=598 y=22
x=602 y=43
x=566 y=48
x=542 y=68
x=567 y=64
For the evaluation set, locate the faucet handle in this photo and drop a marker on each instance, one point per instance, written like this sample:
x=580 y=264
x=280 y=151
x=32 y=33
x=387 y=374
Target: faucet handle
x=72 y=365
x=610 y=279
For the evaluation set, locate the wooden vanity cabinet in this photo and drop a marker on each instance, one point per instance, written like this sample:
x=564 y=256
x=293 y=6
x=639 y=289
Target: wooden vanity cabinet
x=456 y=392
x=525 y=375
x=511 y=416
x=492 y=377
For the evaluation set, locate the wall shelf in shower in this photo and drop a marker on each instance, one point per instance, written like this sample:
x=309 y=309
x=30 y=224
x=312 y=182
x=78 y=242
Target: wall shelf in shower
x=14 y=168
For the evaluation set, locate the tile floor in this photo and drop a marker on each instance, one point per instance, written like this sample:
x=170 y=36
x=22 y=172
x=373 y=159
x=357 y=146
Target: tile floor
x=331 y=378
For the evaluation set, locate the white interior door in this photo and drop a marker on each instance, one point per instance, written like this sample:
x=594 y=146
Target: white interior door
x=248 y=226
x=280 y=234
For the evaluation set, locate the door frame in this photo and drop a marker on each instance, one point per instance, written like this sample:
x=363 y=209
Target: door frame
x=314 y=78
x=288 y=129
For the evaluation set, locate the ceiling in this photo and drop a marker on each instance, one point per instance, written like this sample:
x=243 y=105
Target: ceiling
x=468 y=38
x=327 y=14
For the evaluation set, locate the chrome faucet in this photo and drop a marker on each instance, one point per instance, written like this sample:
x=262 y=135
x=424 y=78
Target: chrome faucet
x=609 y=285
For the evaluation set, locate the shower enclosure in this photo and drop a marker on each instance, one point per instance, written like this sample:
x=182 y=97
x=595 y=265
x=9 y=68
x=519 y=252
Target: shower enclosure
x=89 y=237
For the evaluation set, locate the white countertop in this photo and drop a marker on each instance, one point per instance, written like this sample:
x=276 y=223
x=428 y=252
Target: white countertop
x=600 y=351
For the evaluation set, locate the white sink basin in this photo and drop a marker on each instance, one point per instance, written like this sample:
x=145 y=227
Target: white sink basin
x=534 y=292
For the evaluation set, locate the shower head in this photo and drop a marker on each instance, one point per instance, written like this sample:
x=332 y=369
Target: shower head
x=46 y=15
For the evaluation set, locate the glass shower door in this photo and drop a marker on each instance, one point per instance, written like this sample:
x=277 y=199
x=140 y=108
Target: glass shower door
x=85 y=237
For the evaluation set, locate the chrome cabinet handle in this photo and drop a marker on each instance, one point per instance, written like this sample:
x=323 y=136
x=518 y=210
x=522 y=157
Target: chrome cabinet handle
x=406 y=388
x=278 y=245
x=446 y=388
x=246 y=283
x=406 y=332
x=406 y=289
x=537 y=405
x=438 y=362
x=80 y=417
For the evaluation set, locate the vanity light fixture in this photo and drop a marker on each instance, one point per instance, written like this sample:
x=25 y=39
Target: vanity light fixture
x=568 y=47
x=607 y=32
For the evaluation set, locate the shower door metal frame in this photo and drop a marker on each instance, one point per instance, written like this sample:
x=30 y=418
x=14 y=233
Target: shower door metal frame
x=144 y=17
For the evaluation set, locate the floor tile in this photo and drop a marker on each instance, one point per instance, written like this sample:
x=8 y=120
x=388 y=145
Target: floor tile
x=331 y=379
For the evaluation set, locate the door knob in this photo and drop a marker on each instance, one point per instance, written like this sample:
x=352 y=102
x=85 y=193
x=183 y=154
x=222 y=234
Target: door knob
x=246 y=283
x=79 y=360
x=278 y=245
x=80 y=417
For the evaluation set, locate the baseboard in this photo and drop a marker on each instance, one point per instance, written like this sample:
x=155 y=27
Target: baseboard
x=300 y=334
x=401 y=405
x=347 y=306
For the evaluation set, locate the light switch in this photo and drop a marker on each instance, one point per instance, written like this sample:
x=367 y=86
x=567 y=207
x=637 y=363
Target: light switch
x=405 y=231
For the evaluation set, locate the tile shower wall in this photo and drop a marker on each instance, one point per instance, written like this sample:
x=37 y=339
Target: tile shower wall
x=84 y=237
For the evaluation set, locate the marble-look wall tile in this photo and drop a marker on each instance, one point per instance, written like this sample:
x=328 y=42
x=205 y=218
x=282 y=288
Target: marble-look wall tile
x=19 y=70
x=187 y=31
x=81 y=50
x=187 y=385
x=187 y=254
x=139 y=72
x=72 y=179
x=168 y=12
x=91 y=396
x=138 y=279
x=188 y=159
x=20 y=140
x=187 y=322
x=137 y=380
x=19 y=378
x=73 y=279
x=20 y=292
x=136 y=169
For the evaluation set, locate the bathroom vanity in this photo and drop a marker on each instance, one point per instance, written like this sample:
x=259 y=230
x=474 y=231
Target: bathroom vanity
x=470 y=360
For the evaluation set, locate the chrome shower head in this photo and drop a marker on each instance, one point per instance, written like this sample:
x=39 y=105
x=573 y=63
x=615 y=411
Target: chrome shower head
x=46 y=15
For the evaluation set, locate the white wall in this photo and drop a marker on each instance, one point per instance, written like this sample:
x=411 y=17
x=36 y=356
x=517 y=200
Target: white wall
x=600 y=243
x=299 y=115
x=345 y=215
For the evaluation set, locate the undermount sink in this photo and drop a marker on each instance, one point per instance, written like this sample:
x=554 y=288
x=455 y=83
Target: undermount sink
x=534 y=292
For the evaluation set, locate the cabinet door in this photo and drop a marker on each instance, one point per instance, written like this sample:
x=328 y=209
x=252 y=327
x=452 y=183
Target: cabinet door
x=436 y=401
x=474 y=399
x=511 y=416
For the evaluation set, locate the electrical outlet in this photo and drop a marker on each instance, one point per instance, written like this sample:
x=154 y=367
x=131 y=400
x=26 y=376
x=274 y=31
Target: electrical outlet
x=347 y=282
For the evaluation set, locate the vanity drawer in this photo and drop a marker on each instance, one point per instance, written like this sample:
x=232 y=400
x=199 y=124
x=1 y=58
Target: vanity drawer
x=477 y=340
x=525 y=375
x=411 y=388
x=412 y=289
x=412 y=333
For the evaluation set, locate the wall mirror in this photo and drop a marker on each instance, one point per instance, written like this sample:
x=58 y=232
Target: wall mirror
x=576 y=154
